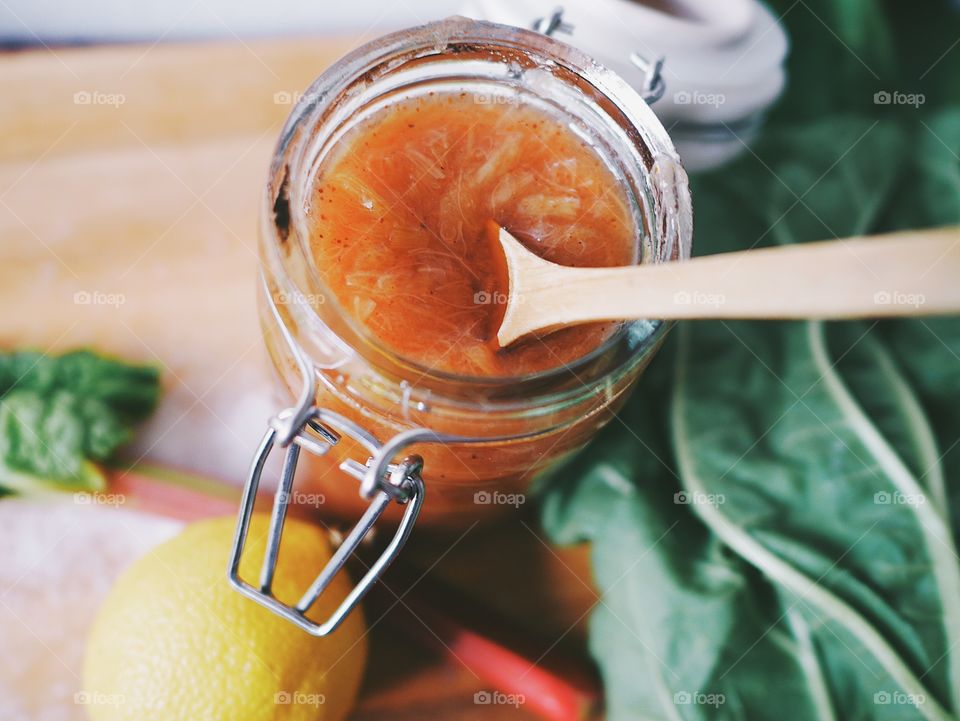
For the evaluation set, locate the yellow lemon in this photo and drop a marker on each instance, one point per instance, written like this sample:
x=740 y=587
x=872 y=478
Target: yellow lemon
x=174 y=642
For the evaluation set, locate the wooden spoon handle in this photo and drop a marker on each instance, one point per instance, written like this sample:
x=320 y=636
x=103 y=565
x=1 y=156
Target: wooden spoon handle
x=913 y=273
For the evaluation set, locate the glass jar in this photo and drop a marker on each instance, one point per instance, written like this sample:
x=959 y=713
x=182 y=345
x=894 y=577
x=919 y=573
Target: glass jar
x=417 y=441
x=519 y=425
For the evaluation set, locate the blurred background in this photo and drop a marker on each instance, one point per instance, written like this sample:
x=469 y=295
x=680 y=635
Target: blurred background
x=52 y=21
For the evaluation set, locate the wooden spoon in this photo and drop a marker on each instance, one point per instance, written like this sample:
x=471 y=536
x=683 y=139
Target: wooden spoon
x=901 y=274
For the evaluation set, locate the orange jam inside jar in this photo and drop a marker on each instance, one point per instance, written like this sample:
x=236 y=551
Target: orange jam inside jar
x=377 y=269
x=399 y=223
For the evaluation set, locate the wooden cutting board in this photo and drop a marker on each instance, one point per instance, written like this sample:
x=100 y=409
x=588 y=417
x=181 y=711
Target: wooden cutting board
x=129 y=179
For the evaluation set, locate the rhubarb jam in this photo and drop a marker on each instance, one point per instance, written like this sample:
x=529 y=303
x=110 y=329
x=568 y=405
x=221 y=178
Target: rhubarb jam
x=400 y=209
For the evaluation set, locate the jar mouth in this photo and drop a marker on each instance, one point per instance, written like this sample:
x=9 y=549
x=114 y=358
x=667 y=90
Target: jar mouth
x=466 y=49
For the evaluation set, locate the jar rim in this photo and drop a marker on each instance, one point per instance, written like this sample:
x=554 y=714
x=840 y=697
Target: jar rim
x=454 y=36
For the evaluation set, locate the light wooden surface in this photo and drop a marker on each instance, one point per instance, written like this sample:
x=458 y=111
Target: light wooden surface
x=910 y=273
x=131 y=228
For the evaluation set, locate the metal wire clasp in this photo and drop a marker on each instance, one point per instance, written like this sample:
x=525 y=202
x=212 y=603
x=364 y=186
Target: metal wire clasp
x=386 y=483
x=307 y=427
x=653 y=86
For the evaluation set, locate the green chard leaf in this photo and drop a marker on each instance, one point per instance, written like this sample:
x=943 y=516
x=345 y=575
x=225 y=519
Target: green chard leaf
x=677 y=607
x=823 y=494
x=809 y=566
x=60 y=416
x=927 y=350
